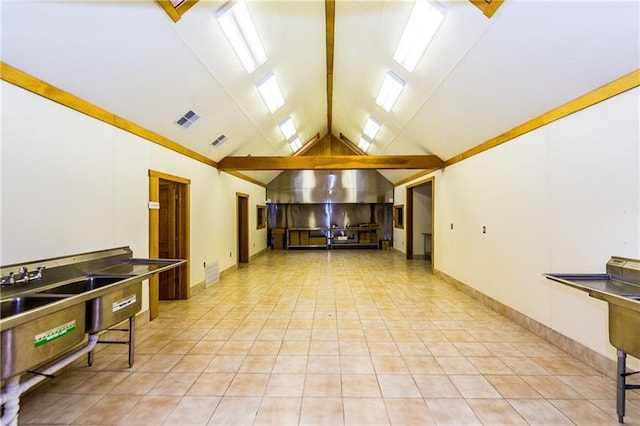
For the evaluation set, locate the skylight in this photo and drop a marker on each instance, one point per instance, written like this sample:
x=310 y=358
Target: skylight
x=295 y=144
x=392 y=86
x=270 y=92
x=237 y=25
x=288 y=127
x=371 y=127
x=423 y=23
x=364 y=144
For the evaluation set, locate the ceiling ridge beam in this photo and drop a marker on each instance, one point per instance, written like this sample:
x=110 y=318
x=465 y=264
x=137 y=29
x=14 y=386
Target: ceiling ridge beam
x=330 y=21
x=339 y=162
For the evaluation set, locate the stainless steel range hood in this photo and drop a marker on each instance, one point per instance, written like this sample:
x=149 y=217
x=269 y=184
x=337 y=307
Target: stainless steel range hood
x=330 y=186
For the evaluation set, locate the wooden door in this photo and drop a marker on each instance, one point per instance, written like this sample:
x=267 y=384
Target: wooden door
x=243 y=228
x=408 y=226
x=168 y=234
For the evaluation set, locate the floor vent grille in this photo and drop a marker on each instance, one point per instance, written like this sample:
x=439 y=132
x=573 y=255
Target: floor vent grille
x=211 y=273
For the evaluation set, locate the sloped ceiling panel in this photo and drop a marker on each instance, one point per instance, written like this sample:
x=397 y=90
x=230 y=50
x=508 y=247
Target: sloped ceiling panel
x=478 y=78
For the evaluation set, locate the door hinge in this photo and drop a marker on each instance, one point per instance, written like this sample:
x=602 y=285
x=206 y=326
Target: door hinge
x=176 y=196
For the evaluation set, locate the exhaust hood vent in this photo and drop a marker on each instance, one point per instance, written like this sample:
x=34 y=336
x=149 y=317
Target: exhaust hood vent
x=187 y=119
x=329 y=186
x=219 y=141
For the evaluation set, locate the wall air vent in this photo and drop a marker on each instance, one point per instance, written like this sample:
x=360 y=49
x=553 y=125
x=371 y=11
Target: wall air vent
x=187 y=119
x=219 y=141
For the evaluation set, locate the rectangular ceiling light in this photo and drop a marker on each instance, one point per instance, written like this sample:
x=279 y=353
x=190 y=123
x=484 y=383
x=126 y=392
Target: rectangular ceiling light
x=288 y=128
x=423 y=23
x=364 y=144
x=270 y=91
x=392 y=86
x=371 y=127
x=237 y=25
x=295 y=144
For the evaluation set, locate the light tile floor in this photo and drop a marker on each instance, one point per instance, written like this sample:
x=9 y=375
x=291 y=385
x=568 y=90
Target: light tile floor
x=330 y=337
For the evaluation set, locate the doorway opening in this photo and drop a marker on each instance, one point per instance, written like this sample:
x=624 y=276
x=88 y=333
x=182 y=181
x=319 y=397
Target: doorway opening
x=242 y=202
x=169 y=236
x=420 y=221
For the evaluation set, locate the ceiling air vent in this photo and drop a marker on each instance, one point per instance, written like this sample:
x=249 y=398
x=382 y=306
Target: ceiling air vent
x=187 y=119
x=219 y=141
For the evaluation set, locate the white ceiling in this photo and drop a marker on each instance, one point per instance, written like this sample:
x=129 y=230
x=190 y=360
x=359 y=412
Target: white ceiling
x=477 y=79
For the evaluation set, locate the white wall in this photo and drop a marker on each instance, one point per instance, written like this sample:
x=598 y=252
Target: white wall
x=71 y=184
x=562 y=198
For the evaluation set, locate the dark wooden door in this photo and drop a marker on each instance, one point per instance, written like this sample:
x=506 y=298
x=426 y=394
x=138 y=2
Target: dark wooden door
x=243 y=228
x=408 y=226
x=169 y=198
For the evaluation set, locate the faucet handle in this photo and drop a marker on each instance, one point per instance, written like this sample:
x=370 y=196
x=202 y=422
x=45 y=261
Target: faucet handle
x=24 y=271
x=39 y=272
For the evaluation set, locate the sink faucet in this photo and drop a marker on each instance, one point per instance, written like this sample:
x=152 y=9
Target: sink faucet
x=25 y=276
x=9 y=280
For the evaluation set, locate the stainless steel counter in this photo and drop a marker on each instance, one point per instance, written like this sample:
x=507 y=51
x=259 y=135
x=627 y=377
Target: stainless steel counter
x=620 y=288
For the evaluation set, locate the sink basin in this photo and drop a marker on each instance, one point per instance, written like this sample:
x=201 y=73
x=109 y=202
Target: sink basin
x=108 y=309
x=18 y=305
x=85 y=284
x=632 y=296
x=28 y=345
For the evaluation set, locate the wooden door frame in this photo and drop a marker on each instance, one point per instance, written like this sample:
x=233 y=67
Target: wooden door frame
x=409 y=224
x=154 y=237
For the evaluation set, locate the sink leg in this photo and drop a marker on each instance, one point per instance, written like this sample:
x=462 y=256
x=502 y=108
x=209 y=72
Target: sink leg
x=11 y=398
x=90 y=358
x=621 y=385
x=131 y=340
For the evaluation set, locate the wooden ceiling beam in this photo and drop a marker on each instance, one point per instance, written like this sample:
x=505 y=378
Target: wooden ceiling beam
x=308 y=144
x=342 y=162
x=330 y=18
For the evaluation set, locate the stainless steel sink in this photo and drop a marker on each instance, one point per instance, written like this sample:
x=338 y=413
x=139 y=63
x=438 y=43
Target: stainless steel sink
x=91 y=282
x=632 y=296
x=18 y=305
x=106 y=309
x=47 y=337
x=48 y=314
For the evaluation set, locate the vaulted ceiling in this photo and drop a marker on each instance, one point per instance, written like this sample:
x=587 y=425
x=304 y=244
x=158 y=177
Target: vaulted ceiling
x=478 y=78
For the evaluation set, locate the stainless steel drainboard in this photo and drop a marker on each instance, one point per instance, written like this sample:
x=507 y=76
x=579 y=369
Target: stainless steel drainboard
x=620 y=288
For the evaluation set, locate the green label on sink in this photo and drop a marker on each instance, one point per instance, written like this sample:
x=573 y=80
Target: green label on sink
x=54 y=333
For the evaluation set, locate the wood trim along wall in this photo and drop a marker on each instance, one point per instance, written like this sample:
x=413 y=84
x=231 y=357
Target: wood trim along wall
x=488 y=7
x=175 y=13
x=609 y=90
x=413 y=177
x=27 y=82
